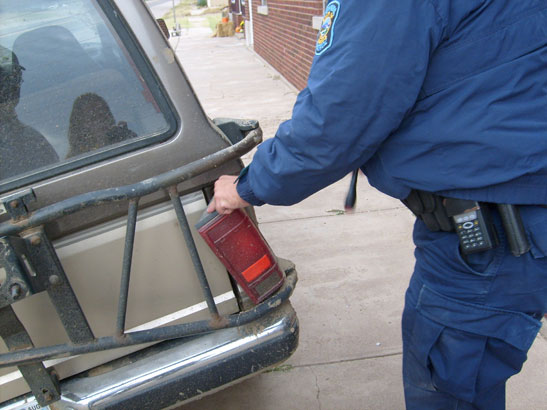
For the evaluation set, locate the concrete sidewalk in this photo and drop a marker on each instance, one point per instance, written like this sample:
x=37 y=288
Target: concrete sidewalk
x=353 y=268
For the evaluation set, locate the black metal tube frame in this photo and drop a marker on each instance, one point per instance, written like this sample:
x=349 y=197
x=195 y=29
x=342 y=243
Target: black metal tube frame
x=152 y=335
x=137 y=190
x=168 y=181
x=126 y=264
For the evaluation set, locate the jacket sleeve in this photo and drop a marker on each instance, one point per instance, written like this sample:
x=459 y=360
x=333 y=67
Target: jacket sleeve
x=364 y=79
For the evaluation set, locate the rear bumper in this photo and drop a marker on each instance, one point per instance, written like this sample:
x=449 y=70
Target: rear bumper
x=177 y=371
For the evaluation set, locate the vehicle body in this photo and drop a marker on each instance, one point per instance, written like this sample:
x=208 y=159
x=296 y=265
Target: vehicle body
x=109 y=298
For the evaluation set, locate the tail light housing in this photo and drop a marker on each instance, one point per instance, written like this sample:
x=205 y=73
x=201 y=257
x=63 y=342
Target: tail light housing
x=237 y=242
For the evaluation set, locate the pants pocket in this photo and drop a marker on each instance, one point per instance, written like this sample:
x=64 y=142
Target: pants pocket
x=467 y=349
x=454 y=362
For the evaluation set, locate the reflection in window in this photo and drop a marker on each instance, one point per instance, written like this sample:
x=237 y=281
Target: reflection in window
x=92 y=126
x=72 y=89
x=18 y=142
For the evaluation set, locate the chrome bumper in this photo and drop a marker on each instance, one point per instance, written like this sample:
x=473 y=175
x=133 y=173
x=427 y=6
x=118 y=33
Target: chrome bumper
x=174 y=372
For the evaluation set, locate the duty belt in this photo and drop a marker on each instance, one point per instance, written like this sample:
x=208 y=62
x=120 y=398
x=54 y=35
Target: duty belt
x=471 y=220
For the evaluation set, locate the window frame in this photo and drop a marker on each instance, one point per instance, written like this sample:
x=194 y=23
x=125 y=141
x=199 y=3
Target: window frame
x=156 y=88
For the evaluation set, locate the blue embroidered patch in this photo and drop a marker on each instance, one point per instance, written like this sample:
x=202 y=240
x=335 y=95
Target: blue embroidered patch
x=326 y=32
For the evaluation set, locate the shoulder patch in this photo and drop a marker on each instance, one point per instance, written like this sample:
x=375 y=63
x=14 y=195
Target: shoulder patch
x=326 y=32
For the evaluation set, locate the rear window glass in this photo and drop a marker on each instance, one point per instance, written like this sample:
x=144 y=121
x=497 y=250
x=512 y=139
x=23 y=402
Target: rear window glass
x=69 y=89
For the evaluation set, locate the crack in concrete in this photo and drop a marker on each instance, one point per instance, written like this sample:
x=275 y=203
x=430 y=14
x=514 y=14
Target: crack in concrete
x=380 y=356
x=331 y=215
x=318 y=389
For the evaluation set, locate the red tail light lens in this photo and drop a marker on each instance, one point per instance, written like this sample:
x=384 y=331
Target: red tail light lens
x=237 y=242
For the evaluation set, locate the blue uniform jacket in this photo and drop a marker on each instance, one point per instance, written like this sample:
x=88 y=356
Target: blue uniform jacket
x=446 y=96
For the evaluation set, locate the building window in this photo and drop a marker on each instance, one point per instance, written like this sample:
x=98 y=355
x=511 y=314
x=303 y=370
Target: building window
x=263 y=7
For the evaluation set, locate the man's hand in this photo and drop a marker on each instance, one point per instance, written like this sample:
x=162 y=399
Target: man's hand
x=226 y=198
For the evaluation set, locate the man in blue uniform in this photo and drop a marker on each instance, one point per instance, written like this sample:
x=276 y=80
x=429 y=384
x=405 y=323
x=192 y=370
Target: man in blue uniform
x=448 y=97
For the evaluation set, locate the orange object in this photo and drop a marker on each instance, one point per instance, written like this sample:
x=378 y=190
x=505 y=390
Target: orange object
x=257 y=268
x=239 y=245
x=225 y=19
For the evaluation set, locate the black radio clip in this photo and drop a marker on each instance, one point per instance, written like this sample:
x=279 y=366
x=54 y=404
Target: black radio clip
x=473 y=224
x=476 y=230
x=471 y=220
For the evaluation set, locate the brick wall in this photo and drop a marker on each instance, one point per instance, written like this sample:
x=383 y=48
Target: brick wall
x=285 y=37
x=238 y=12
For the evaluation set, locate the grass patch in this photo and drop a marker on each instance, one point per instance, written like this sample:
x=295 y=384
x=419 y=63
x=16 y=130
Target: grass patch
x=183 y=21
x=213 y=20
x=182 y=10
x=209 y=18
x=284 y=368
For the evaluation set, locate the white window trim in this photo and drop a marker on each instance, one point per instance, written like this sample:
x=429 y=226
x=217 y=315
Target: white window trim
x=316 y=21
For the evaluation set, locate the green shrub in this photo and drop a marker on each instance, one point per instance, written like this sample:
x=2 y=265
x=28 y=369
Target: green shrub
x=202 y=3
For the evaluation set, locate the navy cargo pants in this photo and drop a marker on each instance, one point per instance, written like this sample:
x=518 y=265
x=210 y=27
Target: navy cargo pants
x=469 y=321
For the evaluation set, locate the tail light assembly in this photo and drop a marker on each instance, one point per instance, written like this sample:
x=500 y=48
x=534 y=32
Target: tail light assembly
x=239 y=245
